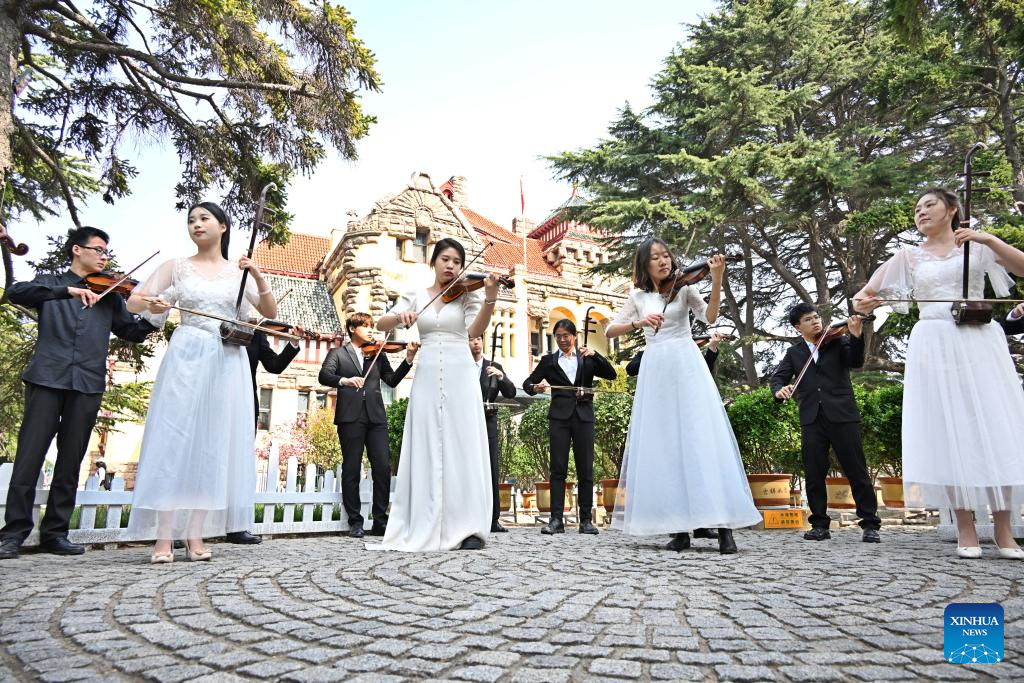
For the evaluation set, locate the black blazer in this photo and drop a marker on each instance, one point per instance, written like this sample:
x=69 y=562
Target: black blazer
x=504 y=385
x=1012 y=326
x=563 y=401
x=827 y=382
x=339 y=365
x=633 y=368
x=259 y=351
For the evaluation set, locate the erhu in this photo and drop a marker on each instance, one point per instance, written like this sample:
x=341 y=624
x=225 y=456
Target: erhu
x=490 y=407
x=236 y=332
x=968 y=312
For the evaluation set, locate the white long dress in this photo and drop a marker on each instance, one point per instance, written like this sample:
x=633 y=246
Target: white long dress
x=443 y=491
x=197 y=471
x=682 y=467
x=962 y=401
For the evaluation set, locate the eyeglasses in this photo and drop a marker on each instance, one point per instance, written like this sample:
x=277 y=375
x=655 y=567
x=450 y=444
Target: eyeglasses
x=100 y=251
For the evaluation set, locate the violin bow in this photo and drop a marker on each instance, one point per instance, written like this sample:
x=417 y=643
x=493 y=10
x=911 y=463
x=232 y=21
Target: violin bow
x=810 y=359
x=672 y=291
x=112 y=287
x=429 y=304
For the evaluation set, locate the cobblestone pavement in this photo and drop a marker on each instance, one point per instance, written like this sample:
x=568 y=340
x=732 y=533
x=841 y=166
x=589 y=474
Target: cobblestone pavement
x=527 y=608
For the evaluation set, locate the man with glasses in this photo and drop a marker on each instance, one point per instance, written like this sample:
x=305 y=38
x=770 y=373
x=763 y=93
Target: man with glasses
x=64 y=382
x=570 y=420
x=828 y=417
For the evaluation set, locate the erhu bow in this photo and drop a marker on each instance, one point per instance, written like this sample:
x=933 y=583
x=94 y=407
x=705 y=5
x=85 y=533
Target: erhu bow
x=492 y=381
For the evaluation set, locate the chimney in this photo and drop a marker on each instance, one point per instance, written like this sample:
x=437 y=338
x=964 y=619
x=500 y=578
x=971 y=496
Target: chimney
x=523 y=226
x=459 y=190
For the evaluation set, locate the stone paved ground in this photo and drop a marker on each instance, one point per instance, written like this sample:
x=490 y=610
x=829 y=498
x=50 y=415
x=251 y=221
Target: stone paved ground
x=527 y=608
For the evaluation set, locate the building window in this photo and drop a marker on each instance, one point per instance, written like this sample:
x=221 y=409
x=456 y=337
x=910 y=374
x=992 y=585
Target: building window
x=399 y=252
x=387 y=393
x=321 y=399
x=420 y=247
x=263 y=421
x=535 y=344
x=303 y=405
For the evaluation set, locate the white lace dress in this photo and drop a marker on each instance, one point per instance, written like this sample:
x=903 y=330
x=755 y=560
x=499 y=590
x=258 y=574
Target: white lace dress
x=197 y=470
x=443 y=489
x=962 y=401
x=682 y=467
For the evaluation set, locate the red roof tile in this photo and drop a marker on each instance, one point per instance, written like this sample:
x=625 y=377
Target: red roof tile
x=299 y=258
x=508 y=247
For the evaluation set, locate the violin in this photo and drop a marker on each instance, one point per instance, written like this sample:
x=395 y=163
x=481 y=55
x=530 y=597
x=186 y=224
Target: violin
x=372 y=349
x=101 y=282
x=16 y=248
x=703 y=339
x=690 y=275
x=837 y=330
x=278 y=327
x=470 y=282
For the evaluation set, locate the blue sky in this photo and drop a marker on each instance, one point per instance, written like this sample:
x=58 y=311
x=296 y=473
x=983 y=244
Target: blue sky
x=479 y=89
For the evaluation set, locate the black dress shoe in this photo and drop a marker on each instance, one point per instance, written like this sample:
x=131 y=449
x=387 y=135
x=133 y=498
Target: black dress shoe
x=243 y=538
x=679 y=542
x=587 y=527
x=178 y=545
x=871 y=536
x=705 y=533
x=555 y=526
x=61 y=546
x=726 y=543
x=472 y=543
x=497 y=528
x=376 y=530
x=9 y=548
x=817 y=534
x=356 y=532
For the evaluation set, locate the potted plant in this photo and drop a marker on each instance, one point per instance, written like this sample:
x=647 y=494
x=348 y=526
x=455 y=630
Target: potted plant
x=768 y=434
x=883 y=440
x=612 y=413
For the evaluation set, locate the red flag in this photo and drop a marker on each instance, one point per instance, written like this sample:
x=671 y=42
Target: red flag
x=522 y=199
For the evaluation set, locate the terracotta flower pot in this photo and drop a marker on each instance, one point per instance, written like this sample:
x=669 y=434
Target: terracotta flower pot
x=609 y=491
x=770 y=490
x=544 y=495
x=840 y=495
x=892 y=491
x=796 y=498
x=505 y=496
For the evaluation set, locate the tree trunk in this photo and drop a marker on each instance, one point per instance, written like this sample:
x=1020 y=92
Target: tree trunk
x=10 y=37
x=1011 y=139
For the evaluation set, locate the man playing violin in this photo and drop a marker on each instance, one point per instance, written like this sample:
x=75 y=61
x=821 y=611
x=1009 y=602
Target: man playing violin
x=570 y=419
x=64 y=382
x=361 y=418
x=828 y=416
x=492 y=380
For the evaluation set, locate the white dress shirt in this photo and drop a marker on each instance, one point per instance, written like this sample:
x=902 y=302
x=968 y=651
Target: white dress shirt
x=813 y=349
x=568 y=365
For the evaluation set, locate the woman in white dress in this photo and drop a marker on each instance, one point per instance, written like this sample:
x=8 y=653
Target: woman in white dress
x=196 y=474
x=443 y=494
x=682 y=469
x=962 y=402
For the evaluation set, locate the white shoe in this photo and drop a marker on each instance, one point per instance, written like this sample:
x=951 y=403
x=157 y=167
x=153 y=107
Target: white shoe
x=969 y=553
x=1014 y=553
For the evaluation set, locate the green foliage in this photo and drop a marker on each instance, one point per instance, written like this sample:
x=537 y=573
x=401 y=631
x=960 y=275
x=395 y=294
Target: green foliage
x=534 y=438
x=396 y=428
x=322 y=437
x=612 y=413
x=17 y=339
x=881 y=424
x=128 y=402
x=767 y=432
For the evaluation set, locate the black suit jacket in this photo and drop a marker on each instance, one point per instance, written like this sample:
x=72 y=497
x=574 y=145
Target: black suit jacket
x=259 y=351
x=563 y=401
x=503 y=385
x=1012 y=326
x=633 y=367
x=339 y=365
x=826 y=386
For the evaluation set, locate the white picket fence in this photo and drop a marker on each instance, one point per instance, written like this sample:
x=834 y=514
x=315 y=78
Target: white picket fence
x=320 y=490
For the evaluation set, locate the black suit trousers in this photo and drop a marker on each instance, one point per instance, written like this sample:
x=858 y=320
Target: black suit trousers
x=492 y=447
x=70 y=415
x=844 y=438
x=580 y=435
x=355 y=437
